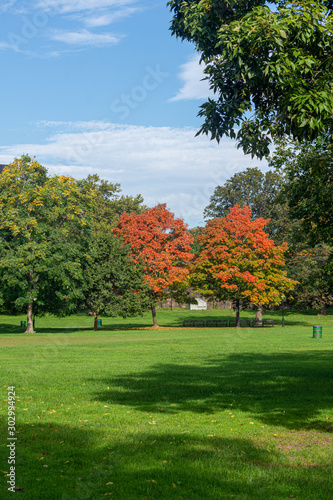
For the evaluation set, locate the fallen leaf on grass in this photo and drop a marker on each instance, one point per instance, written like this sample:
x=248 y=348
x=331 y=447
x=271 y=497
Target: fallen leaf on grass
x=174 y=485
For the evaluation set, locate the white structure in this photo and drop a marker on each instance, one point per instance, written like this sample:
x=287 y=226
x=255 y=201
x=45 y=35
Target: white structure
x=201 y=305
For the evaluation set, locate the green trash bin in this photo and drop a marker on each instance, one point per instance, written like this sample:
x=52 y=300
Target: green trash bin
x=317 y=332
x=23 y=324
x=99 y=322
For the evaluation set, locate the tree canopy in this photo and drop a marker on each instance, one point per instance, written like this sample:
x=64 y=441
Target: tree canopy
x=309 y=170
x=163 y=244
x=44 y=229
x=109 y=203
x=312 y=268
x=113 y=284
x=252 y=188
x=271 y=69
x=239 y=262
x=262 y=193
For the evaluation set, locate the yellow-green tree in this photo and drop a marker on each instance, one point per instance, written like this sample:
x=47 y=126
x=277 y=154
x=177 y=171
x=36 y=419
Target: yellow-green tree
x=44 y=230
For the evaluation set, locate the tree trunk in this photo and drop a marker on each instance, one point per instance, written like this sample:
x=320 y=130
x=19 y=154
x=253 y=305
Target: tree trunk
x=95 y=321
x=30 y=325
x=323 y=311
x=153 y=311
x=237 y=313
x=259 y=315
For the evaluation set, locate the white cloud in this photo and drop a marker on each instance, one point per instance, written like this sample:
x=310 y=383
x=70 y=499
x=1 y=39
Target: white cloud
x=194 y=87
x=69 y=6
x=85 y=37
x=82 y=14
x=6 y=5
x=109 y=18
x=163 y=164
x=6 y=46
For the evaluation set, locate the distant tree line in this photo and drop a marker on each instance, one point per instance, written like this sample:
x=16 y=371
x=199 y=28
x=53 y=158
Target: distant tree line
x=68 y=245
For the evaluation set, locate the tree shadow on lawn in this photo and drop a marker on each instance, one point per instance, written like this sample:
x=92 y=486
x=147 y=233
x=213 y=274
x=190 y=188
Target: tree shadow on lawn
x=6 y=329
x=288 y=390
x=63 y=462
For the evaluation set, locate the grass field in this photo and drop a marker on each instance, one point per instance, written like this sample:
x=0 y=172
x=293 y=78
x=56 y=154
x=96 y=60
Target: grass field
x=132 y=413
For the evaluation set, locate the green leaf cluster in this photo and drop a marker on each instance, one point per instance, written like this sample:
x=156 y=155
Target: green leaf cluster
x=271 y=70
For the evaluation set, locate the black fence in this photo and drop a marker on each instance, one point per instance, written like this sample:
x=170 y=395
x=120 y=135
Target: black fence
x=209 y=323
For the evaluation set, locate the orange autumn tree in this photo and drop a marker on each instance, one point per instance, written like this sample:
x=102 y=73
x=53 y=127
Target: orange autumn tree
x=163 y=244
x=239 y=262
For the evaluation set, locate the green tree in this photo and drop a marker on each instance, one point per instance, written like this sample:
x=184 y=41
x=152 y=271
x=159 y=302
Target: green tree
x=109 y=204
x=44 y=229
x=271 y=70
x=312 y=268
x=309 y=193
x=113 y=283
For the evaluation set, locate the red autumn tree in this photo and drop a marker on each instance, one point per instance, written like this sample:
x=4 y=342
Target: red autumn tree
x=163 y=244
x=239 y=262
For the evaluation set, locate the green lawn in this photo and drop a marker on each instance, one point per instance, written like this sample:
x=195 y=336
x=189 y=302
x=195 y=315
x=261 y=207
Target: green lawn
x=169 y=414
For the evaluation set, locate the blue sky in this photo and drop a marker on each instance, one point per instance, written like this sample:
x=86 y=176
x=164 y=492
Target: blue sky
x=101 y=86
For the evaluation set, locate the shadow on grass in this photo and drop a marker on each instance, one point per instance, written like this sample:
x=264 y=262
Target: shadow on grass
x=285 y=389
x=6 y=329
x=68 y=462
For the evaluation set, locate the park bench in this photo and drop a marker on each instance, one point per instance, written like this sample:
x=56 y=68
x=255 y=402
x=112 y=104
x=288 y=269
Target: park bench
x=268 y=322
x=194 y=322
x=199 y=322
x=209 y=322
x=216 y=322
x=245 y=322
